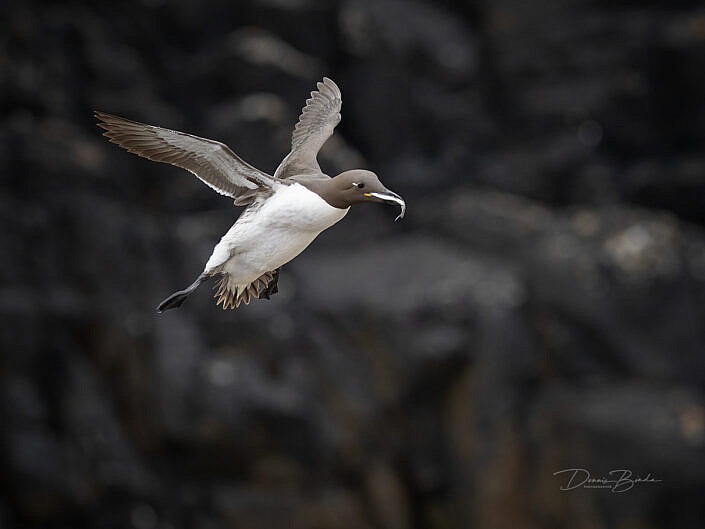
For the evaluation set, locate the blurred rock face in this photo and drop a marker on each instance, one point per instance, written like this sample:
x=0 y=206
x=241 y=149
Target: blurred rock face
x=541 y=307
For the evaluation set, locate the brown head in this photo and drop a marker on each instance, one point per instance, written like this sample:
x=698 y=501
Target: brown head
x=355 y=187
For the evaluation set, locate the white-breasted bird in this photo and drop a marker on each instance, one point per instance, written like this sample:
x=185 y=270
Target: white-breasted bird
x=284 y=213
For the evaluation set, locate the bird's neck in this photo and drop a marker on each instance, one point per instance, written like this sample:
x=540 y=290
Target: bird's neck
x=328 y=189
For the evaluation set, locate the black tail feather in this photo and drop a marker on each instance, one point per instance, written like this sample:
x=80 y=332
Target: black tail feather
x=177 y=298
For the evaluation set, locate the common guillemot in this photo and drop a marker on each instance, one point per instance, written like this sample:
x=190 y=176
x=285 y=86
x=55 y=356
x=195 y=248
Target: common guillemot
x=284 y=213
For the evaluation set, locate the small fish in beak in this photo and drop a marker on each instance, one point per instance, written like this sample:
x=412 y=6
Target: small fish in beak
x=391 y=198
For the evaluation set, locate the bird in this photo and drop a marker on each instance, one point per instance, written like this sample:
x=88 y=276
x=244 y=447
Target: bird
x=284 y=212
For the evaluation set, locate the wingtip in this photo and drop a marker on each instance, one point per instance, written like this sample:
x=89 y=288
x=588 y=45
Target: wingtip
x=112 y=119
x=331 y=84
x=99 y=114
x=103 y=119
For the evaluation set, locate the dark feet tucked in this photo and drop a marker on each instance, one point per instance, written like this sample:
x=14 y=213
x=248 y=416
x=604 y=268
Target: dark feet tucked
x=177 y=298
x=272 y=287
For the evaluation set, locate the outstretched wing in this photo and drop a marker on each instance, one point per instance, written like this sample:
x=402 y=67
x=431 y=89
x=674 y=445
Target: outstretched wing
x=316 y=123
x=211 y=161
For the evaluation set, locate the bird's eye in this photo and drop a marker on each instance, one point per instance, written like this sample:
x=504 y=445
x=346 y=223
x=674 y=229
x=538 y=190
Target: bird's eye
x=359 y=185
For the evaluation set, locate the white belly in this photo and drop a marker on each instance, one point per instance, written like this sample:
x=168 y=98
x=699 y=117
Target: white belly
x=282 y=227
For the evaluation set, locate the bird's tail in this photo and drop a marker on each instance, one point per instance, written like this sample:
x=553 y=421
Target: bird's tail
x=177 y=298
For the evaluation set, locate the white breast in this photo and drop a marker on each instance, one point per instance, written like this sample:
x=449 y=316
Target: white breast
x=279 y=230
x=297 y=207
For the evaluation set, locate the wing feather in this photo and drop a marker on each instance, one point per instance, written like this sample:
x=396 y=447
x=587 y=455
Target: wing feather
x=211 y=161
x=316 y=123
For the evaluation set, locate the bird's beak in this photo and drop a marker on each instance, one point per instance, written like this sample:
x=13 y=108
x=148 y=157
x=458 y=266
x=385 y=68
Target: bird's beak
x=390 y=197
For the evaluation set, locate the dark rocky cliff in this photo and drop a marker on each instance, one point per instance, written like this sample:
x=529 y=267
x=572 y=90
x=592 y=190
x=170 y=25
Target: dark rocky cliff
x=541 y=307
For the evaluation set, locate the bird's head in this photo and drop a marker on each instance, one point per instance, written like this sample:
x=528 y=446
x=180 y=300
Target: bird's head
x=358 y=186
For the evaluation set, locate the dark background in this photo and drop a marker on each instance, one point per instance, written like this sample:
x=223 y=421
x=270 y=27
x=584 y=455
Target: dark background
x=541 y=307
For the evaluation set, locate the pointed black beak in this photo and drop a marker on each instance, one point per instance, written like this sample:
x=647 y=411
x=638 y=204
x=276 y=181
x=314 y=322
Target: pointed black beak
x=390 y=197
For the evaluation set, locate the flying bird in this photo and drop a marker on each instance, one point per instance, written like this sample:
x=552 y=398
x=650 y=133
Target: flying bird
x=285 y=212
